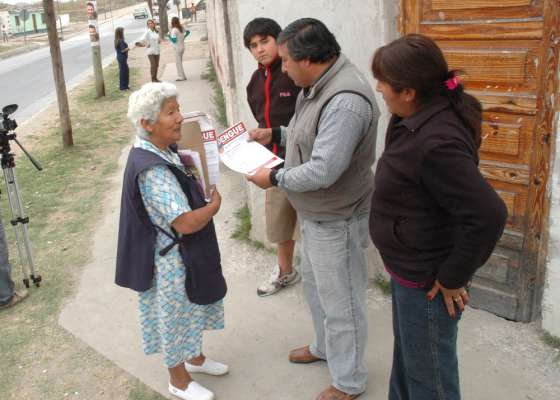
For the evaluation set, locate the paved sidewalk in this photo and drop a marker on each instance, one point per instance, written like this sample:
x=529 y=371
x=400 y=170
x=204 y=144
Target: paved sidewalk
x=499 y=359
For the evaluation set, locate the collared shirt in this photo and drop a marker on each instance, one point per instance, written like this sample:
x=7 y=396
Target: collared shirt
x=433 y=215
x=151 y=40
x=343 y=122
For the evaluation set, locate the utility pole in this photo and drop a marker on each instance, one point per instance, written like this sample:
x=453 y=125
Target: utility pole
x=163 y=22
x=93 y=27
x=58 y=73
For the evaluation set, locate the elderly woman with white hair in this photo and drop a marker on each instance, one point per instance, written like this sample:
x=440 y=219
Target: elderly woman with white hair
x=167 y=247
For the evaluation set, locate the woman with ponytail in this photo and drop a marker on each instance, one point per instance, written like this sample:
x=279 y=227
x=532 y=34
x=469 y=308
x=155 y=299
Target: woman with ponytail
x=434 y=218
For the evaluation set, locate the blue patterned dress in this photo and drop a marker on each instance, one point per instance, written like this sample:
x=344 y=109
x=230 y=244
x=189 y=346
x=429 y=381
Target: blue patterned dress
x=170 y=323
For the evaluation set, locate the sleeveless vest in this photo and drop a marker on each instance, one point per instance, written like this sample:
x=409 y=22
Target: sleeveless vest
x=205 y=283
x=351 y=193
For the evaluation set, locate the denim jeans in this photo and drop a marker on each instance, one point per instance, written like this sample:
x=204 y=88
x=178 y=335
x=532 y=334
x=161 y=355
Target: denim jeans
x=334 y=274
x=425 y=363
x=123 y=74
x=6 y=283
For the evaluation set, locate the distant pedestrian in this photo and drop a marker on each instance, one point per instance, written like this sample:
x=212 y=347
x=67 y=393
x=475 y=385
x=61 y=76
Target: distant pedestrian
x=193 y=11
x=121 y=47
x=4 y=34
x=151 y=41
x=434 y=218
x=177 y=37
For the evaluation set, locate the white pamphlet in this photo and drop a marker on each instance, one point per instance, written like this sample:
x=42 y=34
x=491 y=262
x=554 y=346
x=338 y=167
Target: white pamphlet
x=241 y=155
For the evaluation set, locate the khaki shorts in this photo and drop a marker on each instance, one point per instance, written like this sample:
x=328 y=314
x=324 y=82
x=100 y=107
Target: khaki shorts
x=281 y=217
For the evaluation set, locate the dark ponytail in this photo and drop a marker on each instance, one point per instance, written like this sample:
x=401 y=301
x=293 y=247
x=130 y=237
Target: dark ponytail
x=416 y=62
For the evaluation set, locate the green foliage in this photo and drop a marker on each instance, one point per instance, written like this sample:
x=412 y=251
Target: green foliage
x=243 y=228
x=551 y=340
x=218 y=98
x=383 y=284
x=141 y=392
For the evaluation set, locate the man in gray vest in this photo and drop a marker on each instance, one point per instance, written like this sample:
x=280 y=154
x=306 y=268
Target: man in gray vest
x=330 y=148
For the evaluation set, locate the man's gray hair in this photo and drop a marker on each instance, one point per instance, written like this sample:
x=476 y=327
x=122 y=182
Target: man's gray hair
x=146 y=104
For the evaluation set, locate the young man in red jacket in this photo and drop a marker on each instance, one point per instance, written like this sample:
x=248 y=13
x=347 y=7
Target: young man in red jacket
x=271 y=94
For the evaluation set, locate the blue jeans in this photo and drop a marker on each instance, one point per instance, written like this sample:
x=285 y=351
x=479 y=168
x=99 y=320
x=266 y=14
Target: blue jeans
x=123 y=73
x=334 y=274
x=6 y=283
x=425 y=363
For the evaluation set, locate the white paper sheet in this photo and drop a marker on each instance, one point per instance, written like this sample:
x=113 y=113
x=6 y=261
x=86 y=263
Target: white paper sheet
x=240 y=155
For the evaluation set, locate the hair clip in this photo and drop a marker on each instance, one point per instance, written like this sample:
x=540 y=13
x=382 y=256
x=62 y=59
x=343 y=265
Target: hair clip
x=452 y=83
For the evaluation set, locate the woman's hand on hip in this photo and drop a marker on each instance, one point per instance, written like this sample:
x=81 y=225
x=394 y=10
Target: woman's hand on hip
x=451 y=297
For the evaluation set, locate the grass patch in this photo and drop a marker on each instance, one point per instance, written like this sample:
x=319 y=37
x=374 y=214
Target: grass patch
x=141 y=392
x=64 y=203
x=383 y=284
x=218 y=98
x=242 y=231
x=4 y=49
x=551 y=340
x=243 y=228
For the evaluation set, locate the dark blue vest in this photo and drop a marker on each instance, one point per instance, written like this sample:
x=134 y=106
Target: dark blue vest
x=199 y=251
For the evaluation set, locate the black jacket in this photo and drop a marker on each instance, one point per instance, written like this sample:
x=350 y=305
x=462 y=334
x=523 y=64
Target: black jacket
x=433 y=215
x=272 y=97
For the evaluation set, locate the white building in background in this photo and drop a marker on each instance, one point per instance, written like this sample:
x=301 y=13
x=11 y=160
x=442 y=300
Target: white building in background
x=4 y=20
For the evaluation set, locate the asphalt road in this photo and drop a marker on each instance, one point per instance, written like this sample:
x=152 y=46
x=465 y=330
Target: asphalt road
x=27 y=79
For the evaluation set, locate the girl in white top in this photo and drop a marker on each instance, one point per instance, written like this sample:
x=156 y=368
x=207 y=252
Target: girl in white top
x=177 y=37
x=151 y=41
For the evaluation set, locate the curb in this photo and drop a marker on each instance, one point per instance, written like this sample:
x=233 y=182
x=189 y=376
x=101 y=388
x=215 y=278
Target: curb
x=20 y=50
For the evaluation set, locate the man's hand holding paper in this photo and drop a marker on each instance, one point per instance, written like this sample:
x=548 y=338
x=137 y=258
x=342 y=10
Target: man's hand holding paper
x=241 y=154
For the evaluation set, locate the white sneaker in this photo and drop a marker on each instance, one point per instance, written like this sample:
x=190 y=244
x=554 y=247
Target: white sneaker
x=277 y=282
x=209 y=367
x=194 y=391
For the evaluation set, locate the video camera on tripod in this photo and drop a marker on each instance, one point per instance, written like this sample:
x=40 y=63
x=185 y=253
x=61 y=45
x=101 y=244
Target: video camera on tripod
x=19 y=220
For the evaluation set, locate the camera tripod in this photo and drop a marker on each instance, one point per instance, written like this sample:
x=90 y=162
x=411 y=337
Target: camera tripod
x=19 y=219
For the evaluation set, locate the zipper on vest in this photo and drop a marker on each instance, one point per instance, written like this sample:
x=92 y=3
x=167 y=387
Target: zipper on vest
x=267 y=74
x=300 y=155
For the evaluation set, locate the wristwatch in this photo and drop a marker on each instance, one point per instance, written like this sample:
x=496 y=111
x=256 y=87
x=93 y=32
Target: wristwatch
x=272 y=177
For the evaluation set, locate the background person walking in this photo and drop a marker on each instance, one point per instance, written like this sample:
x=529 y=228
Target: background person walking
x=121 y=47
x=177 y=37
x=193 y=12
x=4 y=34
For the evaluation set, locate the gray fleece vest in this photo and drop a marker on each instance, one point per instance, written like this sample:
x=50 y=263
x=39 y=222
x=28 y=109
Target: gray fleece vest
x=351 y=193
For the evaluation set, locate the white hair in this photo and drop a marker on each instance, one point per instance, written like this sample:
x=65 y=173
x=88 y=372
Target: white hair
x=146 y=104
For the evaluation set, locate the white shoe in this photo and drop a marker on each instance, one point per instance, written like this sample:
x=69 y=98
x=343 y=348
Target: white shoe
x=276 y=282
x=194 y=391
x=209 y=367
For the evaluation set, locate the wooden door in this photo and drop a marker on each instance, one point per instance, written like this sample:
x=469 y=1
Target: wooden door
x=508 y=50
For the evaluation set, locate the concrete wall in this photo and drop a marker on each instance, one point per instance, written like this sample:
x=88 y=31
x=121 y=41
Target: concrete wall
x=373 y=23
x=551 y=296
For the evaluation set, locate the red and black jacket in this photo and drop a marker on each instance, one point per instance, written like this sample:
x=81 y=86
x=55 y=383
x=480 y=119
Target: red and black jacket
x=272 y=97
